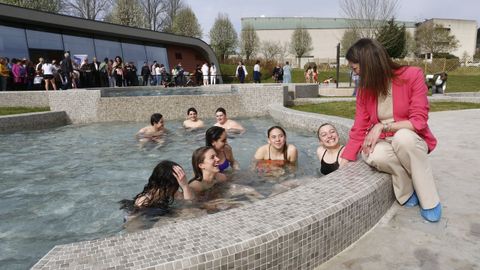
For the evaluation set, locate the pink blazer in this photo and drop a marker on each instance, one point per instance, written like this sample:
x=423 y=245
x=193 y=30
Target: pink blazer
x=409 y=95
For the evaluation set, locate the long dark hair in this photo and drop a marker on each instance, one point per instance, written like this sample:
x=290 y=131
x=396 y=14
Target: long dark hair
x=161 y=186
x=212 y=134
x=198 y=157
x=285 y=147
x=376 y=67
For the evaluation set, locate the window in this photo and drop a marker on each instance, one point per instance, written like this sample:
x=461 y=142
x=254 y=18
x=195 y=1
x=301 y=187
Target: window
x=13 y=43
x=134 y=53
x=107 y=48
x=158 y=54
x=178 y=56
x=79 y=45
x=44 y=40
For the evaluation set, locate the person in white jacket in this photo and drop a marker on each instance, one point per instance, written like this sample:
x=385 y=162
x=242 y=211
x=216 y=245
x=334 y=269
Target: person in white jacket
x=213 y=74
x=205 y=69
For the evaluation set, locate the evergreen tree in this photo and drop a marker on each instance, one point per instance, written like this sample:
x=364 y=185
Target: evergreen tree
x=393 y=38
x=186 y=24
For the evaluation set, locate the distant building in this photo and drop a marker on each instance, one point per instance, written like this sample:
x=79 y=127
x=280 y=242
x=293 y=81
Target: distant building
x=326 y=33
x=32 y=34
x=465 y=31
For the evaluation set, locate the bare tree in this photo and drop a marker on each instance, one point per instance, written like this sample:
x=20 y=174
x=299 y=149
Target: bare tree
x=54 y=6
x=223 y=37
x=171 y=9
x=366 y=17
x=301 y=42
x=434 y=38
x=271 y=50
x=186 y=24
x=350 y=36
x=249 y=41
x=88 y=9
x=153 y=11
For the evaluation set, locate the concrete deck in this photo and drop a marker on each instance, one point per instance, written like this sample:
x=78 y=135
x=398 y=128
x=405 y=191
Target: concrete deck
x=402 y=239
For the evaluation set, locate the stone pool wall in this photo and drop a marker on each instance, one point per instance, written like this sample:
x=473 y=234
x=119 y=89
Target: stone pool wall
x=298 y=229
x=31 y=121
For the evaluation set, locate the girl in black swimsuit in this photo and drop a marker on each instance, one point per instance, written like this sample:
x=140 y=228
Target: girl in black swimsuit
x=329 y=149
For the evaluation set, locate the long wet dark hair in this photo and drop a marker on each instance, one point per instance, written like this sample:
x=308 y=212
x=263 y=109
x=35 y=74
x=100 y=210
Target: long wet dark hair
x=285 y=147
x=376 y=67
x=161 y=186
x=213 y=134
x=198 y=157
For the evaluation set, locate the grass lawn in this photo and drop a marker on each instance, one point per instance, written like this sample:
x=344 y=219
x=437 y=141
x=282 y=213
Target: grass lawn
x=463 y=83
x=457 y=81
x=346 y=109
x=18 y=110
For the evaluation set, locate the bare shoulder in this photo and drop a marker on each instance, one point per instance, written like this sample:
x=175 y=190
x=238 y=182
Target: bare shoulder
x=196 y=186
x=261 y=152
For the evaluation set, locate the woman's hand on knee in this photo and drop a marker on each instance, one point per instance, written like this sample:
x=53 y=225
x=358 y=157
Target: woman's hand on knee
x=372 y=138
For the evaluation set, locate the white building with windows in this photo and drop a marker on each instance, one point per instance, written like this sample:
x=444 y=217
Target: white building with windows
x=326 y=33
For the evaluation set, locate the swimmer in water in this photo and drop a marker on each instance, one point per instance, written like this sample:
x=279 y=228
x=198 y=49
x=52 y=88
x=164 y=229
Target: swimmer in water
x=216 y=137
x=272 y=157
x=207 y=177
x=162 y=187
x=330 y=148
x=228 y=124
x=154 y=132
x=193 y=122
x=205 y=163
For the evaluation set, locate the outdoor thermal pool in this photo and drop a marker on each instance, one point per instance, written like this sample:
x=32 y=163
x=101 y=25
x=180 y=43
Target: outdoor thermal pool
x=63 y=185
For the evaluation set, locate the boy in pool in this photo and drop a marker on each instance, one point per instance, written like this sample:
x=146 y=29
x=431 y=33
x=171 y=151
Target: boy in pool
x=154 y=132
x=193 y=122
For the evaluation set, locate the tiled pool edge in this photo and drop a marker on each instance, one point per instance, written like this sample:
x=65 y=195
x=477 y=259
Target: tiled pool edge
x=298 y=229
x=32 y=121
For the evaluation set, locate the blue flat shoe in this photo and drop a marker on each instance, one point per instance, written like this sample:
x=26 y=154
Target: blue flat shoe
x=432 y=215
x=412 y=201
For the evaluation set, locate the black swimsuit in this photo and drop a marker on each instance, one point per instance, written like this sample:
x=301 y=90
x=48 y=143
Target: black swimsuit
x=327 y=168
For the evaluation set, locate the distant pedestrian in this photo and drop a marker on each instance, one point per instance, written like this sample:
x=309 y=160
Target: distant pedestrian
x=287 y=73
x=256 y=72
x=241 y=72
x=213 y=74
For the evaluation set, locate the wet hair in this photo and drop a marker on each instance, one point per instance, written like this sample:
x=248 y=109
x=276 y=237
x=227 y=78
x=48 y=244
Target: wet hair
x=222 y=110
x=212 y=134
x=285 y=147
x=155 y=118
x=161 y=186
x=322 y=125
x=198 y=157
x=376 y=67
x=192 y=109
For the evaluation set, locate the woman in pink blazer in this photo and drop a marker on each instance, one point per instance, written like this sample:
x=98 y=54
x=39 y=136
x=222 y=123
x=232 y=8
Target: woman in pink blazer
x=390 y=128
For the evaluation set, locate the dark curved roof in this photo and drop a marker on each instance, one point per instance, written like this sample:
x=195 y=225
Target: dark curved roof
x=35 y=18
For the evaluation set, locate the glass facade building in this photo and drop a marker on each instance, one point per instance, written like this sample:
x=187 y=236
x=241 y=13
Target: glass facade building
x=28 y=43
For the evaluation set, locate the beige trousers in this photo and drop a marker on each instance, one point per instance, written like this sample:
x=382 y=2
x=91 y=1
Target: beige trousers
x=404 y=156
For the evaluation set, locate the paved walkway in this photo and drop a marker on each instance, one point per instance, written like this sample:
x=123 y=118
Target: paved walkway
x=402 y=239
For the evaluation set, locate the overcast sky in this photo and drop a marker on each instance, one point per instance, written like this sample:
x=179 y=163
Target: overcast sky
x=409 y=10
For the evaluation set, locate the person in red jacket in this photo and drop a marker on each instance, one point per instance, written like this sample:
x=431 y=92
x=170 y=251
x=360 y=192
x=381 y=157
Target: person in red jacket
x=390 y=128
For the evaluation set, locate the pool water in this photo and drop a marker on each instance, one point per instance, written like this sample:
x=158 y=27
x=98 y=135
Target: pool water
x=63 y=185
x=168 y=91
